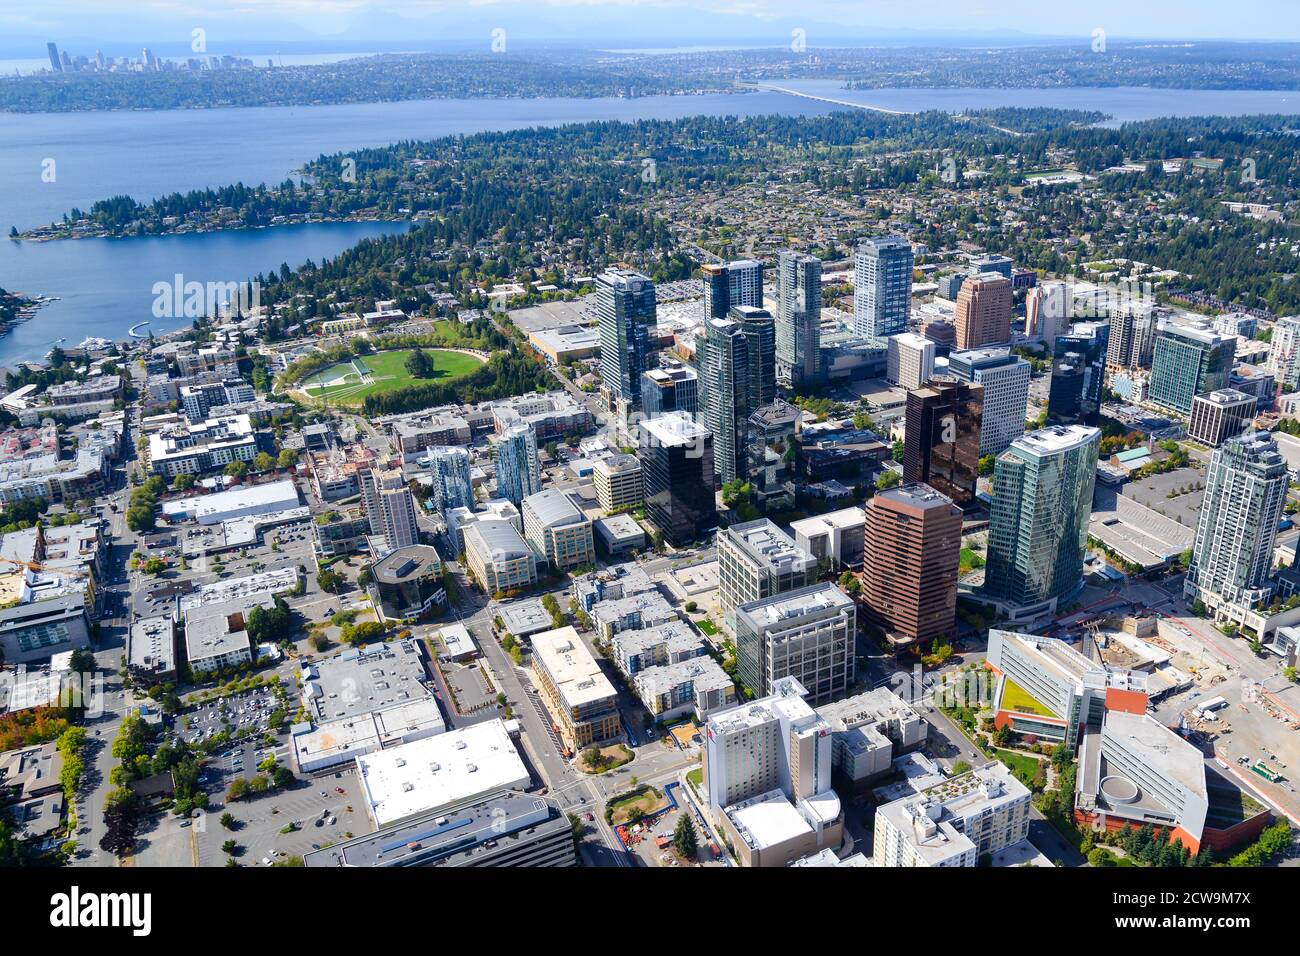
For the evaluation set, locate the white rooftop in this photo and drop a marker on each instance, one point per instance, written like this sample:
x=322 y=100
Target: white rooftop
x=439 y=771
x=573 y=670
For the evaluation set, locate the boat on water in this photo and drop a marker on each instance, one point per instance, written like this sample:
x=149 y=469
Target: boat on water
x=134 y=330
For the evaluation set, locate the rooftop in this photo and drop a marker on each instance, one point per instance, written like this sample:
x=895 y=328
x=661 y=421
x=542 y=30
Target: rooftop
x=797 y=606
x=404 y=564
x=436 y=772
x=553 y=508
x=572 y=669
x=767 y=544
x=433 y=839
x=1056 y=439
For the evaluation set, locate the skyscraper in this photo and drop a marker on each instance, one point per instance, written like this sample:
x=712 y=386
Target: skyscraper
x=518 y=472
x=625 y=306
x=1047 y=311
x=676 y=456
x=983 y=315
x=1078 y=374
x=941 y=446
x=389 y=507
x=1245 y=489
x=909 y=573
x=449 y=474
x=1005 y=379
x=1042 y=498
x=1132 y=336
x=53 y=51
x=798 y=318
x=1187 y=362
x=882 y=287
x=737 y=377
x=727 y=285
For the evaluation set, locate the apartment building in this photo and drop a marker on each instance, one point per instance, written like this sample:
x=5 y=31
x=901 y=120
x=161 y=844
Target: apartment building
x=577 y=694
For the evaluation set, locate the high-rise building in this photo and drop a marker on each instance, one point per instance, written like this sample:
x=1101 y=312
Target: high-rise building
x=909 y=574
x=727 y=285
x=1038 y=528
x=807 y=634
x=798 y=318
x=450 y=479
x=882 y=287
x=625 y=305
x=1078 y=375
x=757 y=560
x=950 y=284
x=1284 y=352
x=1047 y=311
x=677 y=463
x=770 y=450
x=1218 y=416
x=983 y=314
x=1245 y=490
x=672 y=387
x=910 y=360
x=1005 y=380
x=1132 y=336
x=941 y=444
x=389 y=507
x=1188 y=361
x=53 y=51
x=767 y=772
x=737 y=371
x=518 y=471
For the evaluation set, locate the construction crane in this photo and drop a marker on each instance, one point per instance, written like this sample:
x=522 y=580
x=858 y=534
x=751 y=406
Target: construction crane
x=36 y=567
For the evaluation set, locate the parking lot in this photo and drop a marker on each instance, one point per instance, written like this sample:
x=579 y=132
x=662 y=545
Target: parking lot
x=246 y=711
x=313 y=814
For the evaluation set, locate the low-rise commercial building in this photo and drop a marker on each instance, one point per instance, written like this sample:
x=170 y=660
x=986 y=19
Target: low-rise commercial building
x=151 y=650
x=431 y=774
x=407 y=582
x=868 y=732
x=507 y=828
x=619 y=534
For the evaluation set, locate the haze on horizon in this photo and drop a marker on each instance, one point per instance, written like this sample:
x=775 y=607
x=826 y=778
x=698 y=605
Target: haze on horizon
x=376 y=25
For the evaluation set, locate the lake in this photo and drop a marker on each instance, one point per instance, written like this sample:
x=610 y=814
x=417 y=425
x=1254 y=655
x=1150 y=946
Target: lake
x=102 y=283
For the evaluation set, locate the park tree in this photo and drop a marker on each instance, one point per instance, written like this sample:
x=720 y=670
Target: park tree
x=417 y=364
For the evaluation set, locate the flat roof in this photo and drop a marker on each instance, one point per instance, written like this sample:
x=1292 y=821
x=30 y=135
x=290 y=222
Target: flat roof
x=436 y=772
x=674 y=429
x=404 y=564
x=1056 y=439
x=792 y=607
x=768 y=819
x=571 y=667
x=525 y=617
x=451 y=842
x=1158 y=747
x=364 y=679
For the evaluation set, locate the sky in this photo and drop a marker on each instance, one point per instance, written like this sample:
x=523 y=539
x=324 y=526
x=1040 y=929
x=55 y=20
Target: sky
x=365 y=25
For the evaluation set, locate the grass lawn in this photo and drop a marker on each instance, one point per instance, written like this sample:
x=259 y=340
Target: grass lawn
x=696 y=778
x=1014 y=697
x=707 y=626
x=969 y=559
x=612 y=757
x=1023 y=767
x=386 y=372
x=646 y=799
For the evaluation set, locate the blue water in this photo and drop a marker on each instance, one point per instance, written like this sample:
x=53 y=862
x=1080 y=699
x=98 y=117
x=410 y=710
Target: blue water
x=105 y=285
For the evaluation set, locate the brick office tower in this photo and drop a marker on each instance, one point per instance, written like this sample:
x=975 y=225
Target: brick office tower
x=984 y=311
x=909 y=573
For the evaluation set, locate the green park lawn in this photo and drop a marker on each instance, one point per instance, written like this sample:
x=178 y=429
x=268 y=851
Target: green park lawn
x=387 y=373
